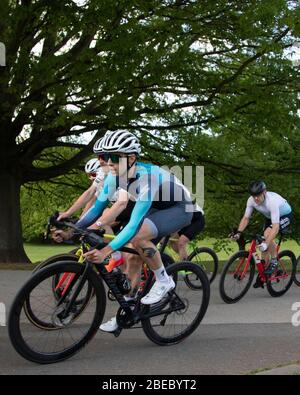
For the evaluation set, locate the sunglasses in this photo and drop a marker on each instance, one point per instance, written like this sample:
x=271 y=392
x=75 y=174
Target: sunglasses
x=92 y=175
x=115 y=158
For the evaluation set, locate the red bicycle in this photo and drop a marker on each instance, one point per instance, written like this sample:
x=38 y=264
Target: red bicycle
x=238 y=274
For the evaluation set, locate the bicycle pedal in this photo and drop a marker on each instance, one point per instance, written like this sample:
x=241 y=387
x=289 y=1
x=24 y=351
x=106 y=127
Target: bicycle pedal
x=258 y=284
x=117 y=332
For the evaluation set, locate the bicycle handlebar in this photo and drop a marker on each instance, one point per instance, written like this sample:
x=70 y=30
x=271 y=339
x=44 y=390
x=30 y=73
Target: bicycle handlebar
x=90 y=236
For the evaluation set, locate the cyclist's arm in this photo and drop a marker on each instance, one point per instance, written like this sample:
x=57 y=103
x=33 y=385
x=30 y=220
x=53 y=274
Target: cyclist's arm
x=118 y=207
x=245 y=220
x=243 y=224
x=89 y=204
x=81 y=201
x=101 y=203
x=137 y=217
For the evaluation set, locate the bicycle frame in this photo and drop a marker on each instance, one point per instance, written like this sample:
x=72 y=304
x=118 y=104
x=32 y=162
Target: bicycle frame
x=131 y=316
x=260 y=266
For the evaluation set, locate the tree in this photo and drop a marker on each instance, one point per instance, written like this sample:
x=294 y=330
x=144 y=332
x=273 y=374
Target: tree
x=171 y=69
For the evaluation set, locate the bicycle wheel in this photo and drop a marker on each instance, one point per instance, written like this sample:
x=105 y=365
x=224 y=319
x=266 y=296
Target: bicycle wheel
x=281 y=281
x=234 y=283
x=54 y=259
x=208 y=260
x=72 y=331
x=297 y=274
x=59 y=284
x=182 y=310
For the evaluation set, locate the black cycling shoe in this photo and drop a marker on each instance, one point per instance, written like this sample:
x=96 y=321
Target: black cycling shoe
x=272 y=267
x=258 y=283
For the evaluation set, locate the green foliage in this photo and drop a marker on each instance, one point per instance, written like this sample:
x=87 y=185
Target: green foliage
x=201 y=82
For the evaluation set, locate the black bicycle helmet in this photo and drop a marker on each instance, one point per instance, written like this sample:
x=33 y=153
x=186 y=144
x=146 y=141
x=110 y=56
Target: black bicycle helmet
x=257 y=187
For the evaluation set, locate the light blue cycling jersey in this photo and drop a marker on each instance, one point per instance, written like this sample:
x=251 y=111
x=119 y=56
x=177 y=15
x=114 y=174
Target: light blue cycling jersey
x=273 y=207
x=150 y=187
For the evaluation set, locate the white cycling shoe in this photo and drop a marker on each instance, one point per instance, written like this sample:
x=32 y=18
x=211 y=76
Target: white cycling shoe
x=109 y=326
x=158 y=292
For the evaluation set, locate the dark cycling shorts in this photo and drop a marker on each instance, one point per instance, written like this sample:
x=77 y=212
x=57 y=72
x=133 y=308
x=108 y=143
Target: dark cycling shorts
x=284 y=222
x=168 y=221
x=196 y=227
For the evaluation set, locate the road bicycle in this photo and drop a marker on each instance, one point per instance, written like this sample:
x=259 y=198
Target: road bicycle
x=75 y=313
x=205 y=257
x=76 y=254
x=238 y=274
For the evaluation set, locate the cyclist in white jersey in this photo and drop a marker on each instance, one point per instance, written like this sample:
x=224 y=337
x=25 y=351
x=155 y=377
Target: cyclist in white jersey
x=97 y=169
x=278 y=214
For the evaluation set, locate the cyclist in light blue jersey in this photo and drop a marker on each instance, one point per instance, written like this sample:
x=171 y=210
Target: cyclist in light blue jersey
x=161 y=207
x=278 y=214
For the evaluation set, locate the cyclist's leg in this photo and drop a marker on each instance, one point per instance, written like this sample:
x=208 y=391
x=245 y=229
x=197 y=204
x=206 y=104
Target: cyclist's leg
x=133 y=268
x=272 y=249
x=189 y=233
x=183 y=243
x=156 y=226
x=174 y=243
x=267 y=228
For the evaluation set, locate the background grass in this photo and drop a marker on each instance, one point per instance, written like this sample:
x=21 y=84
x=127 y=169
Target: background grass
x=39 y=252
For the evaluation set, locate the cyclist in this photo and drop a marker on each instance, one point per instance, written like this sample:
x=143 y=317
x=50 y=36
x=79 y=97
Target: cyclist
x=278 y=213
x=97 y=169
x=161 y=207
x=189 y=233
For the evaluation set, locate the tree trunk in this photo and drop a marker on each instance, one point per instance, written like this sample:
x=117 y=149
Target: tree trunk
x=11 y=242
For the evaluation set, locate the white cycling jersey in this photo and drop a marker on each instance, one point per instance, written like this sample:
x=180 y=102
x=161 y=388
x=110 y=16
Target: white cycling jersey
x=273 y=207
x=99 y=181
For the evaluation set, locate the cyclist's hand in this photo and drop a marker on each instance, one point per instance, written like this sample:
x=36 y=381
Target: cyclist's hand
x=59 y=236
x=63 y=216
x=235 y=236
x=96 y=256
x=263 y=247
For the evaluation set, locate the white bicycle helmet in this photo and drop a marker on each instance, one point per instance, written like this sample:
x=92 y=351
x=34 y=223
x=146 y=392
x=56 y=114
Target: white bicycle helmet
x=121 y=142
x=98 y=146
x=92 y=166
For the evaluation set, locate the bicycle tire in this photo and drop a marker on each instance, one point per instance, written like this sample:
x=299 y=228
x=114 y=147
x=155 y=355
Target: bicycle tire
x=204 y=250
x=175 y=270
x=54 y=259
x=14 y=320
x=296 y=280
x=50 y=261
x=225 y=297
x=271 y=284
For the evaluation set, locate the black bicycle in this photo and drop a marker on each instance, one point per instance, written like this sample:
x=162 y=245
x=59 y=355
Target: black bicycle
x=75 y=311
x=204 y=257
x=75 y=255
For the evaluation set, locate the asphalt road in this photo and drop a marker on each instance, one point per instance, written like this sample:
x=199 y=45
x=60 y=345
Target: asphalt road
x=254 y=334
